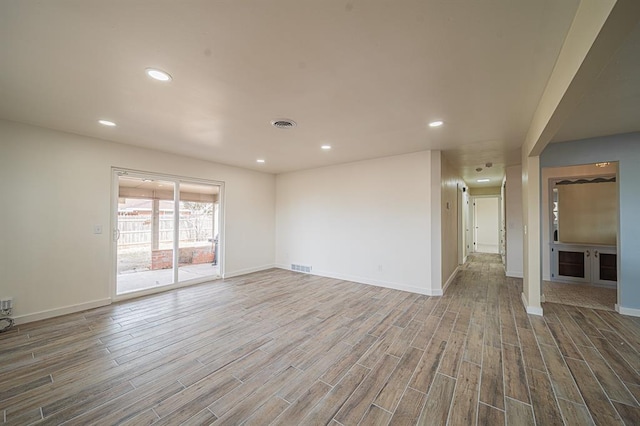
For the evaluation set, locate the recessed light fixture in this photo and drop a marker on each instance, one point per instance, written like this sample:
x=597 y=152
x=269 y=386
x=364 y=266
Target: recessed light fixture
x=107 y=123
x=605 y=164
x=436 y=123
x=260 y=160
x=483 y=180
x=157 y=74
x=147 y=180
x=326 y=147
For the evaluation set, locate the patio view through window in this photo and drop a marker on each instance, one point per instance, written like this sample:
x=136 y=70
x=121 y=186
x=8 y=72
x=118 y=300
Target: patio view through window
x=152 y=239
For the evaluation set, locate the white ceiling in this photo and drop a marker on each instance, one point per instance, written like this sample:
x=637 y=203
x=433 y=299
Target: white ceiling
x=363 y=76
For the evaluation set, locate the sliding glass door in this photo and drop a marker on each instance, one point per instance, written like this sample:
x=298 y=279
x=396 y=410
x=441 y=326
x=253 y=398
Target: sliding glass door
x=166 y=231
x=198 y=233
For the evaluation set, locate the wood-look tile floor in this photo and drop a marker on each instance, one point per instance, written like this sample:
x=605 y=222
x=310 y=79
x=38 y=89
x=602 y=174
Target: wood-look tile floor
x=277 y=347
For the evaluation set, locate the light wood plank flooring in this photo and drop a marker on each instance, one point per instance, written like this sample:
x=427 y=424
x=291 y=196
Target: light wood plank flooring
x=277 y=347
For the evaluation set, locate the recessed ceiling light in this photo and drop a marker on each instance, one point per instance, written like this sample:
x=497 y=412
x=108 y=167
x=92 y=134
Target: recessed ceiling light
x=483 y=180
x=158 y=74
x=107 y=123
x=326 y=147
x=260 y=160
x=436 y=123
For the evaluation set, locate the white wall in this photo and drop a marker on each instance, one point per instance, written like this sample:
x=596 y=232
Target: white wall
x=513 y=199
x=55 y=186
x=368 y=221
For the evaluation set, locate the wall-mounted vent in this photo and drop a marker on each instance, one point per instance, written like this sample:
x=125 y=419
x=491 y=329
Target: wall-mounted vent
x=301 y=268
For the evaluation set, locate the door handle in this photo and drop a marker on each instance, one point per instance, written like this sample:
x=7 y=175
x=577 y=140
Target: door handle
x=116 y=234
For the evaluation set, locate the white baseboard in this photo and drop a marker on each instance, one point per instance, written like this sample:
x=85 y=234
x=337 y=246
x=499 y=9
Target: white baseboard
x=368 y=281
x=248 y=271
x=514 y=274
x=451 y=278
x=65 y=310
x=628 y=311
x=533 y=310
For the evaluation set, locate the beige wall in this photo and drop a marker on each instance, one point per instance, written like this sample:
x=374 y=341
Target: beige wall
x=56 y=186
x=513 y=220
x=588 y=213
x=490 y=190
x=451 y=184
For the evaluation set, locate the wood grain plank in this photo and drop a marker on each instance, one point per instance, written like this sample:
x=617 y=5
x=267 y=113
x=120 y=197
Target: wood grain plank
x=465 y=398
x=600 y=407
x=574 y=414
x=515 y=380
x=492 y=387
x=490 y=416
x=610 y=382
x=561 y=378
x=354 y=408
x=303 y=405
x=518 y=413
x=543 y=401
x=394 y=388
x=376 y=416
x=436 y=410
x=409 y=408
x=326 y=409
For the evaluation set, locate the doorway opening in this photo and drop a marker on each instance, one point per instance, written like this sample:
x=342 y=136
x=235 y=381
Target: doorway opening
x=486 y=224
x=580 y=235
x=167 y=231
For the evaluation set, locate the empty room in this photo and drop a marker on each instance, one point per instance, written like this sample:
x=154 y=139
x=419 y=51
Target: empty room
x=320 y=212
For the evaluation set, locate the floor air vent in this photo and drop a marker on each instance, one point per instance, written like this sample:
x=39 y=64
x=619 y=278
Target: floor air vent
x=300 y=268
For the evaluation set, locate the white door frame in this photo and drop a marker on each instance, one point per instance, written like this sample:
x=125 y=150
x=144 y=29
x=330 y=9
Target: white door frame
x=116 y=172
x=474 y=222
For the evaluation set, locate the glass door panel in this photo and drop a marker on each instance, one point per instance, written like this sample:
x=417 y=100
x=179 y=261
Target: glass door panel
x=197 y=245
x=145 y=233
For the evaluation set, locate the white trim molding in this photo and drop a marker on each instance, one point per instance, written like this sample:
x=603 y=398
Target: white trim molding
x=451 y=278
x=628 y=311
x=514 y=274
x=249 y=271
x=65 y=310
x=533 y=310
x=377 y=283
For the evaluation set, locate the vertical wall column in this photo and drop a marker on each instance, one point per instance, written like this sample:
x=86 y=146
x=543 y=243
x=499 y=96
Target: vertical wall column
x=531 y=219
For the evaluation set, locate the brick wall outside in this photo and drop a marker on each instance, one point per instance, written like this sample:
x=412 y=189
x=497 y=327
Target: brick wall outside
x=163 y=259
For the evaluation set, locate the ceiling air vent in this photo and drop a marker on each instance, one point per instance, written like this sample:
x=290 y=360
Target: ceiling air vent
x=283 y=123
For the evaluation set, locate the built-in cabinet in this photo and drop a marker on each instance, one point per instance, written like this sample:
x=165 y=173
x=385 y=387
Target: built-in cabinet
x=596 y=264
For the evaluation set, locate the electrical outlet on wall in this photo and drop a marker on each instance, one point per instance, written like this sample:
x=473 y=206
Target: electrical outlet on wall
x=6 y=305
